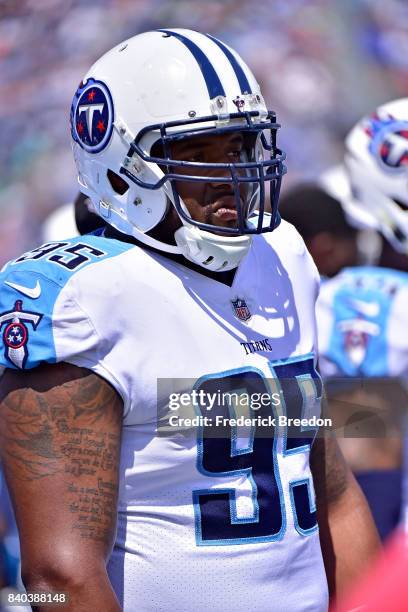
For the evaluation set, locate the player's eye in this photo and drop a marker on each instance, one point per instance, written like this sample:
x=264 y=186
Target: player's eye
x=195 y=157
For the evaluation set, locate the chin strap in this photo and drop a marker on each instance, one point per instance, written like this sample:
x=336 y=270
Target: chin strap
x=211 y=251
x=157 y=244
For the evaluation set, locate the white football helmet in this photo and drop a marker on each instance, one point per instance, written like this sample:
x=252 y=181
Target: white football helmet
x=164 y=86
x=376 y=165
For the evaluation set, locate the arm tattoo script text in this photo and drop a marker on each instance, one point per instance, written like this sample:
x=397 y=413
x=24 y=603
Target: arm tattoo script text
x=70 y=434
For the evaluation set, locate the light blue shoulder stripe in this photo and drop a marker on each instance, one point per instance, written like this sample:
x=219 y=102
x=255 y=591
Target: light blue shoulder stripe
x=29 y=289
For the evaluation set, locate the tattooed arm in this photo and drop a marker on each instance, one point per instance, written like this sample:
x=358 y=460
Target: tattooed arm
x=60 y=432
x=348 y=536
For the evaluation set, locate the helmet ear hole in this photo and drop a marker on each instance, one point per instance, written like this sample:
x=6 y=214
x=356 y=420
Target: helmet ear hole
x=118 y=184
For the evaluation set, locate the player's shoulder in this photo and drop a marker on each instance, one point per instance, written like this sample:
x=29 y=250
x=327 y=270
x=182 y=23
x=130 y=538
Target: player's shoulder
x=34 y=281
x=374 y=272
x=369 y=281
x=42 y=317
x=365 y=298
x=59 y=260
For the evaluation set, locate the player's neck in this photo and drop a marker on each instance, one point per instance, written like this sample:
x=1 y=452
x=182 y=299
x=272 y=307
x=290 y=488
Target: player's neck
x=222 y=277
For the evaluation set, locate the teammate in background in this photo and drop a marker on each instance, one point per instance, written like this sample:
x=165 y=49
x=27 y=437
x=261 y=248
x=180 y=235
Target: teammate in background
x=371 y=188
x=362 y=311
x=320 y=220
x=176 y=148
x=371 y=184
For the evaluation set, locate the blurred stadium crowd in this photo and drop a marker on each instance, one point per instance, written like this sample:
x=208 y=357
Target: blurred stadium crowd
x=322 y=64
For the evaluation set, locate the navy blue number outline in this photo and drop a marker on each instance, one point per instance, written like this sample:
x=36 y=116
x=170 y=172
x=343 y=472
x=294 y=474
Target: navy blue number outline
x=232 y=491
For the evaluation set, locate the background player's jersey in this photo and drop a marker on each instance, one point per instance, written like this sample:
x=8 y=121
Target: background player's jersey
x=203 y=521
x=363 y=322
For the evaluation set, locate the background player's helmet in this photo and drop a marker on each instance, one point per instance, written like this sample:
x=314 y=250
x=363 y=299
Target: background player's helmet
x=165 y=86
x=376 y=164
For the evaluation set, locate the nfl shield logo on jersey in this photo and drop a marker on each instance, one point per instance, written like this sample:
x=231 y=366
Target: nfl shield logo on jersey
x=241 y=309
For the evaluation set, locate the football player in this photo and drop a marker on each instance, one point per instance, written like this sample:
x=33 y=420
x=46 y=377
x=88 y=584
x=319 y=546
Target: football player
x=362 y=311
x=371 y=184
x=192 y=290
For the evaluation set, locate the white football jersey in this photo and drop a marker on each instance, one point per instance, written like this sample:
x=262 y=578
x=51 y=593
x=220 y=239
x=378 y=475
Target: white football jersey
x=363 y=318
x=204 y=521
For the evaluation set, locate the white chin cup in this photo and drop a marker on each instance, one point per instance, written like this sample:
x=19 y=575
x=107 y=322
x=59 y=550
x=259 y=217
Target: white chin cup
x=211 y=251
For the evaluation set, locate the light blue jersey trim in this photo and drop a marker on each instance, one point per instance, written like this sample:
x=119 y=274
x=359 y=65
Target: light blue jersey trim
x=306 y=448
x=312 y=505
x=29 y=289
x=361 y=307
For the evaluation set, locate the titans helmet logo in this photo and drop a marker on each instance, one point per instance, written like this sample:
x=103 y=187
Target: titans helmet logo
x=92 y=116
x=388 y=141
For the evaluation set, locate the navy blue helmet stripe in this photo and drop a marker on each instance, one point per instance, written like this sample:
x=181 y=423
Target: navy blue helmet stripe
x=211 y=78
x=239 y=72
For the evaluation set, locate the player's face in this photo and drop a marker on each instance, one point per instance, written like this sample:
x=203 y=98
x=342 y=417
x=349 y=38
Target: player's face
x=211 y=202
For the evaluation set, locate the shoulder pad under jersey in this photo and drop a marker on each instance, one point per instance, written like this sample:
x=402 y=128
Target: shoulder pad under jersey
x=36 y=304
